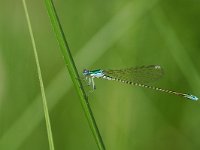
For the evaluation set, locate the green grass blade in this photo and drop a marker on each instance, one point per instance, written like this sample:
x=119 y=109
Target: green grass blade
x=45 y=107
x=73 y=71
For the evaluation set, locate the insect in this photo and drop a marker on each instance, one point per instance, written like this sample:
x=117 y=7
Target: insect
x=139 y=76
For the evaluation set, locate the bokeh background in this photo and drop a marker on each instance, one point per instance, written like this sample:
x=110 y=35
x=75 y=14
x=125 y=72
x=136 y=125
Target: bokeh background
x=102 y=34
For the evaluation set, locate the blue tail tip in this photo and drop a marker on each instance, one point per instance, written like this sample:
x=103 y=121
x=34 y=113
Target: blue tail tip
x=191 y=97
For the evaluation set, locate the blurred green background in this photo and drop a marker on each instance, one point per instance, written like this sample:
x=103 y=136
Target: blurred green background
x=108 y=35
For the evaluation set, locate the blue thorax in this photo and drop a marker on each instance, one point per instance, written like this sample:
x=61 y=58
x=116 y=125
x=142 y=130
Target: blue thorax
x=94 y=73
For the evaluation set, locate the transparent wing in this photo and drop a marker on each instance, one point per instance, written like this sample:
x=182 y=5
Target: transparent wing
x=143 y=74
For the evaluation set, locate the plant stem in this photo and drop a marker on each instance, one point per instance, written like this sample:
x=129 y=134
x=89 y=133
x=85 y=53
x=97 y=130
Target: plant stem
x=45 y=107
x=73 y=71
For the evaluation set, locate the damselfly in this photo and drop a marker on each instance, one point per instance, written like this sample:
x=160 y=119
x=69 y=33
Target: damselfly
x=139 y=76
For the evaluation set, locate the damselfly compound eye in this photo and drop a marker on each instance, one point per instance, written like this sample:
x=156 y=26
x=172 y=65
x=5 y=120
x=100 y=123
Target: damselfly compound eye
x=85 y=72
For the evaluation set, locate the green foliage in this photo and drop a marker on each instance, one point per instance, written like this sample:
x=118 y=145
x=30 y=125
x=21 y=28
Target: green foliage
x=44 y=100
x=68 y=58
x=106 y=35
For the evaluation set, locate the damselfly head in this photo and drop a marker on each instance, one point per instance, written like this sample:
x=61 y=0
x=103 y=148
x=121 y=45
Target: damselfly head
x=86 y=72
